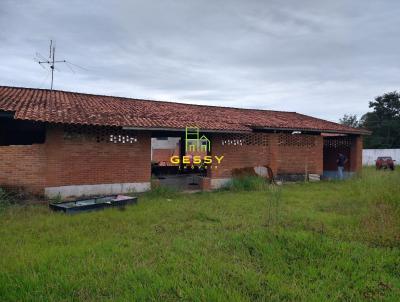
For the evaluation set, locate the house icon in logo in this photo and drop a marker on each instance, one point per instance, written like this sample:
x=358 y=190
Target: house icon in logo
x=195 y=143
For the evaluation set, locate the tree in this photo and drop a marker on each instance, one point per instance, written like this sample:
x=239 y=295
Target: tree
x=350 y=120
x=387 y=106
x=384 y=122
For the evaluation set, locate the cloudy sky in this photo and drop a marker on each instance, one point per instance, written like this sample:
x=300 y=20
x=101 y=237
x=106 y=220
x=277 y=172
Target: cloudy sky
x=323 y=58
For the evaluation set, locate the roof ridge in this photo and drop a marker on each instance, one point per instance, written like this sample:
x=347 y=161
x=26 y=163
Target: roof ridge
x=327 y=121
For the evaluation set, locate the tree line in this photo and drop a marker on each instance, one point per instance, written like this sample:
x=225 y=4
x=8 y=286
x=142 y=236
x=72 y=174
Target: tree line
x=383 y=121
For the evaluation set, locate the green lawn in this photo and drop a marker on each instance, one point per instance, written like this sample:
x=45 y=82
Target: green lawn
x=302 y=242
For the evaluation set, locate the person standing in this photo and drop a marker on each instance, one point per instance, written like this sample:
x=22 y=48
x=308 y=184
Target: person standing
x=341 y=161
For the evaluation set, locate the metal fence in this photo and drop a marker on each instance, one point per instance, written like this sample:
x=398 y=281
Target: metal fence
x=370 y=155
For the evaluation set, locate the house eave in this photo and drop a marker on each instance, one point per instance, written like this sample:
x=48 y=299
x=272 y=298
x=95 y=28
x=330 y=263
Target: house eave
x=357 y=132
x=183 y=130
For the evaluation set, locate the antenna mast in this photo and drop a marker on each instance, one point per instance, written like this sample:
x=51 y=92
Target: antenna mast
x=50 y=61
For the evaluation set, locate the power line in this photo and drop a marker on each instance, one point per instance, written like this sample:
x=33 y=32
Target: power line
x=76 y=65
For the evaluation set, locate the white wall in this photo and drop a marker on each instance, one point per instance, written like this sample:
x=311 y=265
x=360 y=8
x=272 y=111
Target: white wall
x=370 y=155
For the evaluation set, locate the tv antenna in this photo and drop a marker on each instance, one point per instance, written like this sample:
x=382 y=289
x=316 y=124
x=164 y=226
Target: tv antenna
x=51 y=62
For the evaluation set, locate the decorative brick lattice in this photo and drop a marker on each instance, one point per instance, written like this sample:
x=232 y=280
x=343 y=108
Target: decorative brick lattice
x=337 y=142
x=296 y=140
x=240 y=139
x=100 y=134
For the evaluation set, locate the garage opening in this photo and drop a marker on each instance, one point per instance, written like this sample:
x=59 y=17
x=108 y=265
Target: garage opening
x=180 y=175
x=333 y=145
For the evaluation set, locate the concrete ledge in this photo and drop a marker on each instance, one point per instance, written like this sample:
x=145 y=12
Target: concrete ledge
x=292 y=177
x=217 y=183
x=101 y=189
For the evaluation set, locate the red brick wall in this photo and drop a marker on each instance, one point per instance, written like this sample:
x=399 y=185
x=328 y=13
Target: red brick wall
x=62 y=161
x=82 y=160
x=356 y=154
x=238 y=156
x=303 y=153
x=23 y=166
x=285 y=154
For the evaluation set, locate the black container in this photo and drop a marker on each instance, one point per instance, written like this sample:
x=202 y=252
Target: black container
x=92 y=204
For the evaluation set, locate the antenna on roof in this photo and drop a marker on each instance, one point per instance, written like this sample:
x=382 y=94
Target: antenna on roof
x=51 y=61
x=51 y=44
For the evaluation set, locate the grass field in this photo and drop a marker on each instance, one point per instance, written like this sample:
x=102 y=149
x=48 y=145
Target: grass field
x=299 y=242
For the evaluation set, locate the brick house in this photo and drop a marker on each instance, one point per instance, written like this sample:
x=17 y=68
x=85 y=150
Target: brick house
x=57 y=142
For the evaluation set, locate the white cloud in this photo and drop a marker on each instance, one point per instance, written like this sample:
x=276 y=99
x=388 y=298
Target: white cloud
x=315 y=57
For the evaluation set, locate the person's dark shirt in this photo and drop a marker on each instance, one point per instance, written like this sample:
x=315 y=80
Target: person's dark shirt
x=341 y=160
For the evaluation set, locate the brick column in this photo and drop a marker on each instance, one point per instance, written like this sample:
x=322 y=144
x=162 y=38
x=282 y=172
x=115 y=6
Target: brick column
x=356 y=154
x=319 y=160
x=274 y=153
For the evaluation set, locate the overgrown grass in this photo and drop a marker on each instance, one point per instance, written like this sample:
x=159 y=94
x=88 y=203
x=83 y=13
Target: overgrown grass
x=160 y=192
x=247 y=183
x=306 y=242
x=5 y=199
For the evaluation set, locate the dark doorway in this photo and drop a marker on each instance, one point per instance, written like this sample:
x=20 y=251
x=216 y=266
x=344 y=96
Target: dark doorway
x=333 y=145
x=180 y=176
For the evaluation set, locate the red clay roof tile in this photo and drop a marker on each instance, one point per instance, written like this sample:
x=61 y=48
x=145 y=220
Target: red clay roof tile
x=87 y=109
